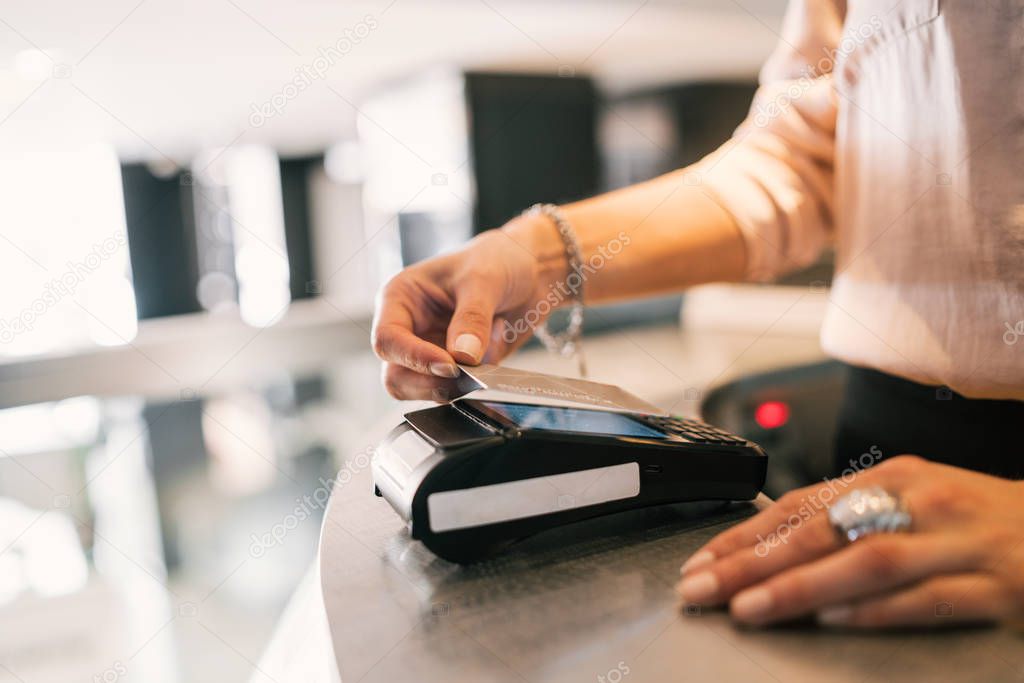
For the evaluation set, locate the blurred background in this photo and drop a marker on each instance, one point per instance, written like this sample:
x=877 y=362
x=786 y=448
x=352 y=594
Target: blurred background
x=199 y=200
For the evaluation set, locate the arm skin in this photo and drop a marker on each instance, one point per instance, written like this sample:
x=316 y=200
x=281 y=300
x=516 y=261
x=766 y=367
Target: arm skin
x=678 y=237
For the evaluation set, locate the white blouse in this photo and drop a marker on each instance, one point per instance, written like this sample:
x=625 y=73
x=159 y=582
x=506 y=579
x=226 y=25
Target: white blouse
x=894 y=129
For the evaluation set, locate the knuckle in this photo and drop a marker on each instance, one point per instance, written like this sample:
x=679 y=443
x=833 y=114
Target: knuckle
x=738 y=537
x=790 y=501
x=941 y=498
x=786 y=499
x=392 y=287
x=902 y=465
x=473 y=316
x=725 y=542
x=380 y=339
x=945 y=500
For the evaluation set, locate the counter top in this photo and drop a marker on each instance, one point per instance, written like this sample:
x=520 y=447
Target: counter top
x=591 y=603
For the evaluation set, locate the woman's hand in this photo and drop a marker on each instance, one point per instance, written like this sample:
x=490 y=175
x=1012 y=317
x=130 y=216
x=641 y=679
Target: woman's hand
x=963 y=559
x=458 y=308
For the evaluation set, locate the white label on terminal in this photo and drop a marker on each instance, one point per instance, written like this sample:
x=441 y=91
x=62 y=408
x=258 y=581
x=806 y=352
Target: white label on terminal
x=464 y=508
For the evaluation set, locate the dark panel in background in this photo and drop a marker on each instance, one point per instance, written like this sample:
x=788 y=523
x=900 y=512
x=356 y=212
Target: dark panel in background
x=295 y=198
x=423 y=235
x=698 y=118
x=533 y=139
x=161 y=241
x=701 y=117
x=706 y=115
x=176 y=450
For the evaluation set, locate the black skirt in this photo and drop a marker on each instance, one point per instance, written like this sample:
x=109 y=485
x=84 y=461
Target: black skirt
x=884 y=416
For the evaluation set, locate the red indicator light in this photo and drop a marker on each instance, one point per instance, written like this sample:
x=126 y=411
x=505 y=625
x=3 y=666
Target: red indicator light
x=772 y=414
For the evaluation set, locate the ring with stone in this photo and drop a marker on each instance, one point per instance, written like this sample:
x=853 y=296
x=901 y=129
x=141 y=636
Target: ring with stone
x=863 y=512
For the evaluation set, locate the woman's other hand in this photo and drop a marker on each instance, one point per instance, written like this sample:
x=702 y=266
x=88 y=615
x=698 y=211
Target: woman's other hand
x=962 y=560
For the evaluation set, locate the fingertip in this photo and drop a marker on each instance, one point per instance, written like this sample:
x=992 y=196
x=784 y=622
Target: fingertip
x=699 y=559
x=752 y=606
x=702 y=588
x=398 y=345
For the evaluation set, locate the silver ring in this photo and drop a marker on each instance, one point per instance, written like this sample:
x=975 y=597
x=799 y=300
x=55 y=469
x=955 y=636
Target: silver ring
x=863 y=512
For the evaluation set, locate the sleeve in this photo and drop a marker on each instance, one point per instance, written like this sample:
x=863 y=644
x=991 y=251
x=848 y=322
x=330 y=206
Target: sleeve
x=775 y=175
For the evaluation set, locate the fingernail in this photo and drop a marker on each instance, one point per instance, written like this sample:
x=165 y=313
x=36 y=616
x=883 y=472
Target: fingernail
x=444 y=370
x=702 y=587
x=751 y=605
x=696 y=561
x=469 y=345
x=835 y=616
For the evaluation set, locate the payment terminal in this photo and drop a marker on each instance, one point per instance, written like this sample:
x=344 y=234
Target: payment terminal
x=522 y=452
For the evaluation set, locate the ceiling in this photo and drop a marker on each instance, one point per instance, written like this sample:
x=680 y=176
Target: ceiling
x=167 y=78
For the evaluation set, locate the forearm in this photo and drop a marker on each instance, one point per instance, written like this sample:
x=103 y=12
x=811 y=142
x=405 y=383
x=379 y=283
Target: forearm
x=659 y=236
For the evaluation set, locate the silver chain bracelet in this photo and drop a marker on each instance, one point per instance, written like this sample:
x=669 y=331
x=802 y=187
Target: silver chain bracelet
x=568 y=342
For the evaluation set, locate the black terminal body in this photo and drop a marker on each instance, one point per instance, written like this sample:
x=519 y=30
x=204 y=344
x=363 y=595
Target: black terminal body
x=472 y=476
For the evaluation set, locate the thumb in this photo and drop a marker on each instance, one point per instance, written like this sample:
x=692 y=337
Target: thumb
x=469 y=331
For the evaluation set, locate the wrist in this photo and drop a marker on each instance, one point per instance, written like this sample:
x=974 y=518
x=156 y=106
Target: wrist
x=538 y=235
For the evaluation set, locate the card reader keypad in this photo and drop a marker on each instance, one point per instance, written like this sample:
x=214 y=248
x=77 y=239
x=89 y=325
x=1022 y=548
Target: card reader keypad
x=694 y=430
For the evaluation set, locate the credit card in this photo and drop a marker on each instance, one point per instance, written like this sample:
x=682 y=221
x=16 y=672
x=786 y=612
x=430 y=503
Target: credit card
x=495 y=382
